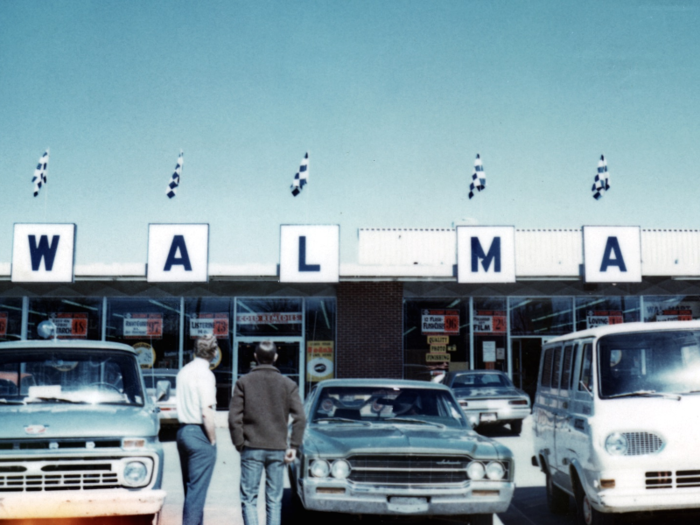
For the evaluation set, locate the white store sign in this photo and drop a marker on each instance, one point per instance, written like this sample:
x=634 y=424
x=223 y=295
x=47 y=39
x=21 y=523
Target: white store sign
x=178 y=253
x=612 y=254
x=310 y=253
x=485 y=254
x=43 y=253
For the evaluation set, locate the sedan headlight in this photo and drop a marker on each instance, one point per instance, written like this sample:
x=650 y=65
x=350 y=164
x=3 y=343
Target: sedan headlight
x=340 y=469
x=495 y=471
x=135 y=474
x=319 y=468
x=476 y=470
x=616 y=444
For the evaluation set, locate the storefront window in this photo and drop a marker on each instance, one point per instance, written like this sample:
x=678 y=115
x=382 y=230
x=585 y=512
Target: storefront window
x=541 y=316
x=74 y=318
x=671 y=308
x=10 y=319
x=269 y=317
x=490 y=334
x=601 y=311
x=212 y=316
x=151 y=326
x=320 y=340
x=435 y=339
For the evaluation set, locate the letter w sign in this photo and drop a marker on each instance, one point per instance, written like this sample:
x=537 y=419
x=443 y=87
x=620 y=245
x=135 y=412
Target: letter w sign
x=43 y=253
x=485 y=254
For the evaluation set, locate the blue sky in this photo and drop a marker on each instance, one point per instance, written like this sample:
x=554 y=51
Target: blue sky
x=393 y=100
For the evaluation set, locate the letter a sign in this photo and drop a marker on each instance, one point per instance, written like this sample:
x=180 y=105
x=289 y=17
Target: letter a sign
x=612 y=254
x=43 y=253
x=178 y=253
x=309 y=254
x=485 y=254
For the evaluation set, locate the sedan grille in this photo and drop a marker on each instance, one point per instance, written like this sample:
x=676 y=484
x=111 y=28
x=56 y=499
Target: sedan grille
x=409 y=470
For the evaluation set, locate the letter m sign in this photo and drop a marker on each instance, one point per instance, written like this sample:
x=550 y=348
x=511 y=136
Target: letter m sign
x=485 y=254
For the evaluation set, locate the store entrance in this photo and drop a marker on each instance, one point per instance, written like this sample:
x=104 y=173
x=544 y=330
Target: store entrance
x=526 y=353
x=288 y=357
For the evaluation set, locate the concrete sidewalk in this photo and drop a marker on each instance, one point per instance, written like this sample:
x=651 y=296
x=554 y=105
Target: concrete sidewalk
x=223 y=502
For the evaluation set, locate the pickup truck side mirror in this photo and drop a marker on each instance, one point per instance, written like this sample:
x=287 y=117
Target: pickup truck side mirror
x=163 y=390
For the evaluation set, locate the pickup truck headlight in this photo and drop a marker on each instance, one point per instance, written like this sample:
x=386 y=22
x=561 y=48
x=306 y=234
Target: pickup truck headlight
x=135 y=474
x=616 y=444
x=340 y=469
x=319 y=468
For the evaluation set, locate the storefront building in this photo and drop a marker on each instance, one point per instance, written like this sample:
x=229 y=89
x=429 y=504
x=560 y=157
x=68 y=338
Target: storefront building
x=417 y=302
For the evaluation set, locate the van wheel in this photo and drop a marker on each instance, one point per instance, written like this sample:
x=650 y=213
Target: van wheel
x=587 y=515
x=516 y=426
x=557 y=499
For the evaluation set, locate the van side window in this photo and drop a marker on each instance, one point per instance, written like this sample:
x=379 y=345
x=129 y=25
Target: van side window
x=585 y=369
x=576 y=348
x=566 y=368
x=556 y=367
x=547 y=368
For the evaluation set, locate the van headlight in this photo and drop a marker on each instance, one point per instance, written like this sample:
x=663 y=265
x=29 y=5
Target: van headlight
x=616 y=444
x=135 y=474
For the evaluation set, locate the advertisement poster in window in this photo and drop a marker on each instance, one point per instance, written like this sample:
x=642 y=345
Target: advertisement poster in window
x=603 y=318
x=143 y=326
x=489 y=322
x=440 y=322
x=269 y=318
x=71 y=325
x=3 y=324
x=319 y=360
x=209 y=324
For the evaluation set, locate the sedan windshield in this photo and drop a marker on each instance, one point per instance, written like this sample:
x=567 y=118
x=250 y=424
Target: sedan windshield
x=649 y=364
x=69 y=376
x=349 y=404
x=477 y=380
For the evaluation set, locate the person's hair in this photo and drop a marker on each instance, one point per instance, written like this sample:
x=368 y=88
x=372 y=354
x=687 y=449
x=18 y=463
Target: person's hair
x=205 y=347
x=265 y=352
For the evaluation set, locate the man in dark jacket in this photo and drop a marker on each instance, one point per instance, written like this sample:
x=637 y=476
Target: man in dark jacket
x=259 y=413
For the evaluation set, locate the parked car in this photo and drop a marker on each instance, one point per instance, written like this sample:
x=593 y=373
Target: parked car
x=79 y=436
x=616 y=420
x=165 y=399
x=488 y=397
x=393 y=447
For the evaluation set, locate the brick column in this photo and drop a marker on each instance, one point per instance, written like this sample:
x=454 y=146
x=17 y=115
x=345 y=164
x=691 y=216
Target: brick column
x=370 y=320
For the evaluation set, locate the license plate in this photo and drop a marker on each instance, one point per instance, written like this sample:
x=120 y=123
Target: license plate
x=487 y=417
x=408 y=505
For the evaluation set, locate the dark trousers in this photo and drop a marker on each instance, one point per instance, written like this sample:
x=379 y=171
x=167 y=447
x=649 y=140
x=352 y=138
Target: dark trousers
x=197 y=459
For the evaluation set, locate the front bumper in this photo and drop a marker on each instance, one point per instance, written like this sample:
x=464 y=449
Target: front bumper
x=80 y=503
x=476 y=497
x=618 y=501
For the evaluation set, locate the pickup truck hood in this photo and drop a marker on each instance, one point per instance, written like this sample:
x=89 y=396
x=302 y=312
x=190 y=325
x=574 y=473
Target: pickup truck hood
x=347 y=438
x=50 y=420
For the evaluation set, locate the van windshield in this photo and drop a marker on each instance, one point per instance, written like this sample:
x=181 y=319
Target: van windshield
x=649 y=363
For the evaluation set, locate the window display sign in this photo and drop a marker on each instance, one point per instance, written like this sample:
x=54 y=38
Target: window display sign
x=440 y=322
x=678 y=314
x=603 y=318
x=489 y=348
x=145 y=355
x=209 y=324
x=139 y=326
x=270 y=318
x=319 y=360
x=70 y=325
x=3 y=324
x=490 y=322
x=437 y=357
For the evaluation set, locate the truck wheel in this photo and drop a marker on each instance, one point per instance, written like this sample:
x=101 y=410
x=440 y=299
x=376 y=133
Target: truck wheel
x=516 y=426
x=557 y=499
x=480 y=519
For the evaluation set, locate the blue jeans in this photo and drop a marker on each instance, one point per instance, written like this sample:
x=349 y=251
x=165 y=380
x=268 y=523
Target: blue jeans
x=197 y=459
x=253 y=460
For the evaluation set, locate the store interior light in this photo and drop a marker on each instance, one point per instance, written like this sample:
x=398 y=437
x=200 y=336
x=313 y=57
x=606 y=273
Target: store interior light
x=453 y=303
x=325 y=314
x=165 y=306
x=241 y=303
x=409 y=331
x=10 y=307
x=73 y=303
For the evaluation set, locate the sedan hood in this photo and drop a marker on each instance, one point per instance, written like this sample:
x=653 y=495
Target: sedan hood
x=69 y=421
x=347 y=438
x=490 y=392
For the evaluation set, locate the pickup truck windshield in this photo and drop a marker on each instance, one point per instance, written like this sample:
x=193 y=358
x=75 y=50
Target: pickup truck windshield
x=649 y=364
x=89 y=376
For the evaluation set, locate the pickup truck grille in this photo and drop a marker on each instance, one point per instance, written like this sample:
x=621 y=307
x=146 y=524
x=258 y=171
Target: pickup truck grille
x=409 y=470
x=50 y=475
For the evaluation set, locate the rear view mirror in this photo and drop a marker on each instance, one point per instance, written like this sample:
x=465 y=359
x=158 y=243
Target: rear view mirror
x=163 y=390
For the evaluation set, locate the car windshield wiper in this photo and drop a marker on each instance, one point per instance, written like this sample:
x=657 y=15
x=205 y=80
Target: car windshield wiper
x=341 y=420
x=647 y=393
x=56 y=400
x=411 y=420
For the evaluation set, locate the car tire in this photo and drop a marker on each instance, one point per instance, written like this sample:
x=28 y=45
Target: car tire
x=480 y=519
x=516 y=427
x=557 y=499
x=587 y=515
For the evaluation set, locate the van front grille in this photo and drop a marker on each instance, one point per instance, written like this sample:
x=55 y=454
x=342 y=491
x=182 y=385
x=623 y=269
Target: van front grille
x=642 y=443
x=667 y=479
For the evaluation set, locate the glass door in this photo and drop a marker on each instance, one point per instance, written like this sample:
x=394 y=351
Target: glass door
x=289 y=357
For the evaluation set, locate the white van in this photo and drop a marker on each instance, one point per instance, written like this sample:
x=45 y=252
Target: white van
x=617 y=419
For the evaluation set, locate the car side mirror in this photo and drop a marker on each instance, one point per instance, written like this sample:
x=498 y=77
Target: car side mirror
x=163 y=390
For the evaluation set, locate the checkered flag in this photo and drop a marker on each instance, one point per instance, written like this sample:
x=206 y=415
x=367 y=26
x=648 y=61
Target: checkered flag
x=175 y=179
x=478 y=177
x=40 y=172
x=302 y=176
x=601 y=184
